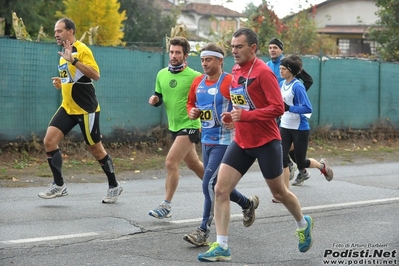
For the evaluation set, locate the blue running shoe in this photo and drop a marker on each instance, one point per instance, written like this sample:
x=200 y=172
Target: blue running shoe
x=163 y=211
x=305 y=235
x=215 y=253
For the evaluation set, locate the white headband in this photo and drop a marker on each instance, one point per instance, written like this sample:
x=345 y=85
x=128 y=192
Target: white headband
x=211 y=53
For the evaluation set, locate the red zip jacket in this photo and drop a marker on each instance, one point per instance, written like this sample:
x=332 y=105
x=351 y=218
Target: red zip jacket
x=258 y=126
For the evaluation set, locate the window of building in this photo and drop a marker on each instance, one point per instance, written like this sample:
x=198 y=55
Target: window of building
x=355 y=47
x=343 y=46
x=372 y=45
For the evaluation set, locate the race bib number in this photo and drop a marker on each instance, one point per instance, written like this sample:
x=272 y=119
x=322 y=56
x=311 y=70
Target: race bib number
x=64 y=74
x=238 y=98
x=206 y=116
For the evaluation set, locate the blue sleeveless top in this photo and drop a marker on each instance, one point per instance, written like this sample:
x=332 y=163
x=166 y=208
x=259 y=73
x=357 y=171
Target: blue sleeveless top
x=212 y=104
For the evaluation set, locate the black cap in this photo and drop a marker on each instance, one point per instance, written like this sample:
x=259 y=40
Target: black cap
x=277 y=42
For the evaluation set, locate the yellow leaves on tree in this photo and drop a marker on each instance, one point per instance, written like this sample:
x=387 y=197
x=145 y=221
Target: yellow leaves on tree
x=90 y=14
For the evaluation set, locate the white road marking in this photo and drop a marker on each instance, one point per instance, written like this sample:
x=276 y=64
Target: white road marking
x=346 y=204
x=198 y=219
x=48 y=238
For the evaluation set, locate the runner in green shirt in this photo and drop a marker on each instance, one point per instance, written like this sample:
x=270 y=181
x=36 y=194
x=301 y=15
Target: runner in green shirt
x=172 y=87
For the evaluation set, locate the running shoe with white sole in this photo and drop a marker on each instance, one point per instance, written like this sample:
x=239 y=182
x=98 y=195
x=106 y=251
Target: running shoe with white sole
x=292 y=167
x=326 y=171
x=54 y=191
x=163 y=211
x=249 y=213
x=198 y=238
x=300 y=178
x=215 y=253
x=113 y=194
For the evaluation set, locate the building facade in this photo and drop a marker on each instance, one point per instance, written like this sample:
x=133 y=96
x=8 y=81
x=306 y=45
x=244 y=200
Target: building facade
x=347 y=22
x=203 y=20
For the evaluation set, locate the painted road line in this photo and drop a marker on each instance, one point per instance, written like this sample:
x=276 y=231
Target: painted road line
x=348 y=204
x=198 y=219
x=48 y=238
x=328 y=206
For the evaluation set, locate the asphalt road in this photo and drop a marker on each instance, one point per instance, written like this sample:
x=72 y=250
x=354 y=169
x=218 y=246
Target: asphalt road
x=356 y=223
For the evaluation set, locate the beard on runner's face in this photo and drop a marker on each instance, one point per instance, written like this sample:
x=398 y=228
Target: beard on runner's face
x=176 y=62
x=176 y=55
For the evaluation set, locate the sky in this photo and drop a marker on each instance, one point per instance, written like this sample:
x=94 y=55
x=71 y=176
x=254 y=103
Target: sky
x=281 y=7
